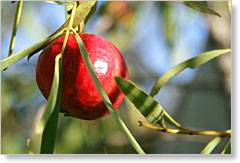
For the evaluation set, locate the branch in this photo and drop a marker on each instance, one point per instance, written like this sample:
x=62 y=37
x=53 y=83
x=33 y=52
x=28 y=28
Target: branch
x=185 y=132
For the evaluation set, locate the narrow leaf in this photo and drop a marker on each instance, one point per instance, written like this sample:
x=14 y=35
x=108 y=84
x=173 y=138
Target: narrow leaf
x=49 y=119
x=104 y=96
x=168 y=23
x=49 y=133
x=200 y=6
x=227 y=149
x=51 y=102
x=190 y=63
x=15 y=26
x=150 y=108
x=211 y=145
x=5 y=63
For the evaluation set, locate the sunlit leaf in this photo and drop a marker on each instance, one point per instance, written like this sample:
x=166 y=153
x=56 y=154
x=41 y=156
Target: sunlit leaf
x=150 y=108
x=82 y=11
x=200 y=6
x=227 y=149
x=104 y=96
x=15 y=26
x=211 y=145
x=28 y=51
x=90 y=14
x=190 y=63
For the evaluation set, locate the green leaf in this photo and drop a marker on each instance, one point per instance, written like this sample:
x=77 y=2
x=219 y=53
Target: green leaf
x=169 y=24
x=200 y=6
x=150 y=108
x=190 y=63
x=15 y=26
x=52 y=99
x=227 y=149
x=49 y=133
x=5 y=63
x=49 y=119
x=211 y=145
x=104 y=96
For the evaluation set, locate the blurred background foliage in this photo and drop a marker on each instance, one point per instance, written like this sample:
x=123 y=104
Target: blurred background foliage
x=152 y=37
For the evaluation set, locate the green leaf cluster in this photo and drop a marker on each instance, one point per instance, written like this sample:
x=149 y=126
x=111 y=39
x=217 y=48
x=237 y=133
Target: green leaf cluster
x=151 y=109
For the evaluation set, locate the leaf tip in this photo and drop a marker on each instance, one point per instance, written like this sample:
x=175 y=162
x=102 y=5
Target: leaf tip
x=118 y=78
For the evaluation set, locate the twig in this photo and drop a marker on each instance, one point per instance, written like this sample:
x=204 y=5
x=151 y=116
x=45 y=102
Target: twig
x=186 y=132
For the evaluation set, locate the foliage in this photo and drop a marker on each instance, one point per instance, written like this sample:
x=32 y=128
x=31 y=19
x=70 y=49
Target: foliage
x=191 y=63
x=200 y=6
x=150 y=108
x=211 y=145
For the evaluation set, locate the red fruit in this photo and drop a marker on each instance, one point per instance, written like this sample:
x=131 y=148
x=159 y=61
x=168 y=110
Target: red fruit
x=80 y=97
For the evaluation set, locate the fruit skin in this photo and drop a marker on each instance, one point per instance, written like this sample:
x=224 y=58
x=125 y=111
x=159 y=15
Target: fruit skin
x=80 y=97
